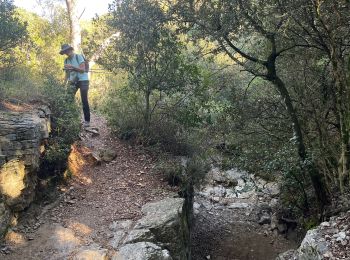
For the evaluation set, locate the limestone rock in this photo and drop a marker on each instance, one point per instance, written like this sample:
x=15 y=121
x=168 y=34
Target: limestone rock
x=312 y=247
x=121 y=225
x=163 y=226
x=22 y=138
x=165 y=220
x=139 y=235
x=142 y=251
x=117 y=240
x=225 y=178
x=238 y=205
x=289 y=255
x=120 y=230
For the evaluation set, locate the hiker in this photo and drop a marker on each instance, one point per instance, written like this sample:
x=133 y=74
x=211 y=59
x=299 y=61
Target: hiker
x=77 y=77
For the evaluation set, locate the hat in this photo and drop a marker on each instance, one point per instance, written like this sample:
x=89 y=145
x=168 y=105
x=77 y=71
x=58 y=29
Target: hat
x=65 y=47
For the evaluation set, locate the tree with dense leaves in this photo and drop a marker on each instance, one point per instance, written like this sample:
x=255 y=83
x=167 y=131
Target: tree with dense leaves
x=12 y=31
x=251 y=33
x=149 y=51
x=325 y=26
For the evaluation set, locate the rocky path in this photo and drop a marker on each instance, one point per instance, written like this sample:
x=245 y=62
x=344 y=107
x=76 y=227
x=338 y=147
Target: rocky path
x=75 y=222
x=99 y=210
x=234 y=219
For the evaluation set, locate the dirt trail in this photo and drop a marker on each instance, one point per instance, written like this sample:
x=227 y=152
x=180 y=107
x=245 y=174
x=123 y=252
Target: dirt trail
x=82 y=211
x=77 y=216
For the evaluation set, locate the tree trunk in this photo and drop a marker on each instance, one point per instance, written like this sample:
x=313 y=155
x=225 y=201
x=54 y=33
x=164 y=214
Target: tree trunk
x=343 y=99
x=75 y=30
x=147 y=115
x=308 y=167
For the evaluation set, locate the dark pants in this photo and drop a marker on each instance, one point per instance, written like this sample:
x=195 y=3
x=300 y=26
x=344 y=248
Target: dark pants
x=84 y=89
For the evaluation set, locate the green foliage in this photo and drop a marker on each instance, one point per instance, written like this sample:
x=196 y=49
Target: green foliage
x=310 y=223
x=65 y=127
x=12 y=31
x=196 y=169
x=192 y=76
x=184 y=172
x=173 y=171
x=149 y=51
x=65 y=120
x=30 y=67
x=123 y=108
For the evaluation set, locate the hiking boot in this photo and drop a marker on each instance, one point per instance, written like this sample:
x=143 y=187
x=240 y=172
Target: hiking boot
x=86 y=124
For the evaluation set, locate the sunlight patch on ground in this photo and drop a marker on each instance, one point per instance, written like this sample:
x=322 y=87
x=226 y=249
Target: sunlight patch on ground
x=90 y=254
x=66 y=239
x=15 y=238
x=80 y=229
x=78 y=159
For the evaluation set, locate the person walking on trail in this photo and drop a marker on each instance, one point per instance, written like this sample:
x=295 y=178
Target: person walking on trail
x=77 y=77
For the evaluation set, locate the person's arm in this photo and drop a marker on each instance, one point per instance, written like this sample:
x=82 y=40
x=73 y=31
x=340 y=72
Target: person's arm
x=80 y=69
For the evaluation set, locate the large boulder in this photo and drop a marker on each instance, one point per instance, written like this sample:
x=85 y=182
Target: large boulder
x=330 y=240
x=161 y=233
x=142 y=251
x=165 y=219
x=313 y=247
x=22 y=137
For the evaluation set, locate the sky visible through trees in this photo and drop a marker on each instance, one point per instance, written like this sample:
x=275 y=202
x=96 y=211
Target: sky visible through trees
x=91 y=7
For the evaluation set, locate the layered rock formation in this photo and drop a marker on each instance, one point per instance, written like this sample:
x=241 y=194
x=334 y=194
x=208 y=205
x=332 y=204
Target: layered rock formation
x=22 y=138
x=162 y=234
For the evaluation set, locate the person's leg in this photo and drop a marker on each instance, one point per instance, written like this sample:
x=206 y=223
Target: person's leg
x=84 y=89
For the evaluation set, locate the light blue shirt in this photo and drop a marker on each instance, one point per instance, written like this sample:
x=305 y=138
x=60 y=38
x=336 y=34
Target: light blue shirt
x=75 y=61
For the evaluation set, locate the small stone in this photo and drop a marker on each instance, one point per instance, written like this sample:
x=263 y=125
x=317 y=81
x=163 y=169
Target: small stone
x=196 y=205
x=208 y=257
x=216 y=199
x=327 y=255
x=325 y=224
x=265 y=219
x=238 y=205
x=342 y=235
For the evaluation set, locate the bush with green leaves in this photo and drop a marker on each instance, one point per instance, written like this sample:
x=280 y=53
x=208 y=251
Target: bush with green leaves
x=65 y=122
x=12 y=31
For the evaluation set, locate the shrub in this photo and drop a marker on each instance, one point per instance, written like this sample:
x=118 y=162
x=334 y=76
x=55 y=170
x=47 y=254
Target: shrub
x=65 y=122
